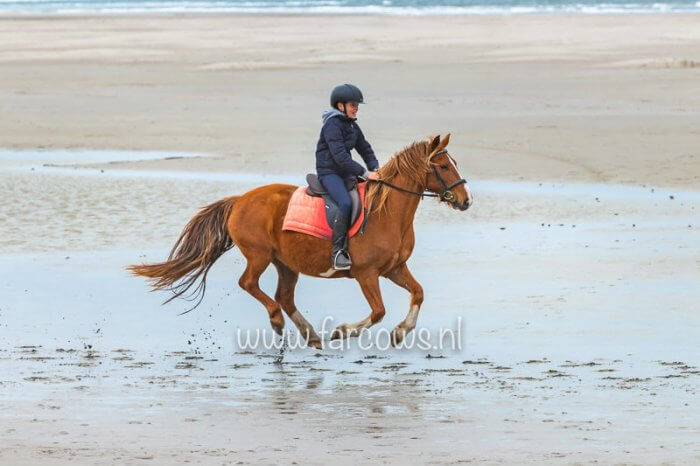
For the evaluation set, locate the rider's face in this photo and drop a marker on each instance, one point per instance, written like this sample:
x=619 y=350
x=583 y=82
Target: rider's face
x=351 y=108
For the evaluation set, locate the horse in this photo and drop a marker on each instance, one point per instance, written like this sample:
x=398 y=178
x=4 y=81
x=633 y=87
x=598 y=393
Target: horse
x=253 y=222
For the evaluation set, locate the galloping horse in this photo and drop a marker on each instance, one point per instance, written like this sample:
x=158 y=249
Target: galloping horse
x=253 y=222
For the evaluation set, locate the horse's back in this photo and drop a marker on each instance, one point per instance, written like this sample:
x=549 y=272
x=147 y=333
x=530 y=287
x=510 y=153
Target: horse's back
x=259 y=211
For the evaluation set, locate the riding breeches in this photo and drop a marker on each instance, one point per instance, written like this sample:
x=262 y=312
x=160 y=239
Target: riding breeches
x=335 y=185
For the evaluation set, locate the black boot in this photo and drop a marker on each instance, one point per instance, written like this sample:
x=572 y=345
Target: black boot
x=340 y=257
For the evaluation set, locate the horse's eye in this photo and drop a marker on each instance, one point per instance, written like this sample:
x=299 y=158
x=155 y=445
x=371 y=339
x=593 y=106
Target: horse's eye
x=443 y=167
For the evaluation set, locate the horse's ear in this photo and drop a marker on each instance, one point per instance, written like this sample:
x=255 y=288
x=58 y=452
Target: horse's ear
x=445 y=141
x=433 y=144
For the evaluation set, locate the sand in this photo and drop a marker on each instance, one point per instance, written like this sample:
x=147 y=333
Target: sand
x=593 y=98
x=571 y=283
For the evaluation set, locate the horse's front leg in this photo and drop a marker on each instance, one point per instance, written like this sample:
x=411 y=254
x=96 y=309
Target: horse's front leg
x=403 y=277
x=369 y=282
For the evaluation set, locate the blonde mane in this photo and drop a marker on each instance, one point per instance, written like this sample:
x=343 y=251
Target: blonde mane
x=411 y=162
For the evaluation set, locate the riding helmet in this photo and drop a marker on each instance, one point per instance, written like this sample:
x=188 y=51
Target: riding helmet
x=346 y=93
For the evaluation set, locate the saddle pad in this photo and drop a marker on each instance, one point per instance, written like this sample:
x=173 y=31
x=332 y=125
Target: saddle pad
x=307 y=214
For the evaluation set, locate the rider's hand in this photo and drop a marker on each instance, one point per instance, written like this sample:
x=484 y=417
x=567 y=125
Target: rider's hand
x=373 y=176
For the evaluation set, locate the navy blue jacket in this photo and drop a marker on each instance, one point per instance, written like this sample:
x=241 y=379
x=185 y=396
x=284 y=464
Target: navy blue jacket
x=339 y=135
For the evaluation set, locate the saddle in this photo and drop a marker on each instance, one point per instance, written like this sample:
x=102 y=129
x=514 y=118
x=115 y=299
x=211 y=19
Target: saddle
x=316 y=189
x=311 y=209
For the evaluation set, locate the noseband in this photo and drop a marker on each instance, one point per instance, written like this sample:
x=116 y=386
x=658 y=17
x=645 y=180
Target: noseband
x=446 y=195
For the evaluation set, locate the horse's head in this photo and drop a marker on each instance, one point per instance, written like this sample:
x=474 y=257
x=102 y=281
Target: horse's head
x=443 y=178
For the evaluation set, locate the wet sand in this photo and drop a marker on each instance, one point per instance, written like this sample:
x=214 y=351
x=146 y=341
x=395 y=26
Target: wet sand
x=573 y=305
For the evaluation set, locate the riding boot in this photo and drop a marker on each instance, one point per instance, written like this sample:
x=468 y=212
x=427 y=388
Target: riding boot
x=340 y=257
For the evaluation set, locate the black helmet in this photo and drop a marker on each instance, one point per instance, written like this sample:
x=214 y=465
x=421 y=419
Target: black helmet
x=346 y=93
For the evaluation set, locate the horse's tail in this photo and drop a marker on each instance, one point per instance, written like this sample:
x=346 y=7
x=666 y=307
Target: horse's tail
x=201 y=243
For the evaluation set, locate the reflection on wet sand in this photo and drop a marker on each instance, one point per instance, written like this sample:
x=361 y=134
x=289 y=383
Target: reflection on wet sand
x=346 y=401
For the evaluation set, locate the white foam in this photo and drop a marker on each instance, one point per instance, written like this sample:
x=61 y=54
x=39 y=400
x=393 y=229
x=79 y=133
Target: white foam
x=383 y=7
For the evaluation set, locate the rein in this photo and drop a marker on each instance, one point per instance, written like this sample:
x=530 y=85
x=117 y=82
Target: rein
x=407 y=191
x=446 y=195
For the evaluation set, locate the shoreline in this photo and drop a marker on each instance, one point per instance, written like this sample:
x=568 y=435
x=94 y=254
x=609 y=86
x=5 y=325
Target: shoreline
x=324 y=15
x=153 y=166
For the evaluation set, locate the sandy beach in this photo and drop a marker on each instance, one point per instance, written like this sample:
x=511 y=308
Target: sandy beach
x=592 y=98
x=571 y=284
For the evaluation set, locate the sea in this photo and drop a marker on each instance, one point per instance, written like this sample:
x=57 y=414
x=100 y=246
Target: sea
x=362 y=7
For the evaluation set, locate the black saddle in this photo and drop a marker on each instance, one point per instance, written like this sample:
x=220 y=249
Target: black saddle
x=316 y=189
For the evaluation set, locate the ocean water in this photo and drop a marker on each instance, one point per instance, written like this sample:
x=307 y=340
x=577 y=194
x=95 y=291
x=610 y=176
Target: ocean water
x=372 y=7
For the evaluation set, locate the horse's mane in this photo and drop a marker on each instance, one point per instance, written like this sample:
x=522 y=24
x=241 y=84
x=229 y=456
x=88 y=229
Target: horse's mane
x=411 y=162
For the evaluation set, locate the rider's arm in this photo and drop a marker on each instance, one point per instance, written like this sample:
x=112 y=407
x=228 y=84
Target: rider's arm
x=334 y=138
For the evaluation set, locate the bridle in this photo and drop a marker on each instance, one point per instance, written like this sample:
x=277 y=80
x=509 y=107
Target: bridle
x=446 y=195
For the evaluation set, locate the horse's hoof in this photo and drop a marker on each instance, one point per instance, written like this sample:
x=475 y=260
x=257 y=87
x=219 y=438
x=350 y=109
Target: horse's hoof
x=338 y=333
x=315 y=343
x=277 y=327
x=397 y=336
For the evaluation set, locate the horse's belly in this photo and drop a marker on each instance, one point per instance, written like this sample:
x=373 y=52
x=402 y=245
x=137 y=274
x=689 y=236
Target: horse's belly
x=305 y=254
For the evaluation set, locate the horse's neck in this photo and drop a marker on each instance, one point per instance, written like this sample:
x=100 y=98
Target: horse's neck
x=402 y=206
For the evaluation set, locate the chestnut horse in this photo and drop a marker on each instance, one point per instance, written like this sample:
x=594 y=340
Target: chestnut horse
x=253 y=222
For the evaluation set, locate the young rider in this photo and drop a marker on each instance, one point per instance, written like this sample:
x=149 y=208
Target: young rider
x=339 y=135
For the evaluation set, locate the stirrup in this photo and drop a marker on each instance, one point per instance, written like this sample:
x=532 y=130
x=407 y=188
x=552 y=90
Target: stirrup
x=336 y=266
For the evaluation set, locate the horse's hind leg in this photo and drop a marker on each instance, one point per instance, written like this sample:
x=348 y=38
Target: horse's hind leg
x=403 y=277
x=285 y=296
x=249 y=281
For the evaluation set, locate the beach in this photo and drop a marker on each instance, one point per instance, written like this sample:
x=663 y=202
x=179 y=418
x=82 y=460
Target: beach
x=591 y=98
x=571 y=284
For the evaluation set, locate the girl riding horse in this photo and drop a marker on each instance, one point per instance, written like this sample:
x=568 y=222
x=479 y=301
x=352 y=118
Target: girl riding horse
x=253 y=222
x=340 y=134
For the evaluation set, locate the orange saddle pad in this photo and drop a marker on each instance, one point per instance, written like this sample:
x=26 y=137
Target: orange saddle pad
x=307 y=214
